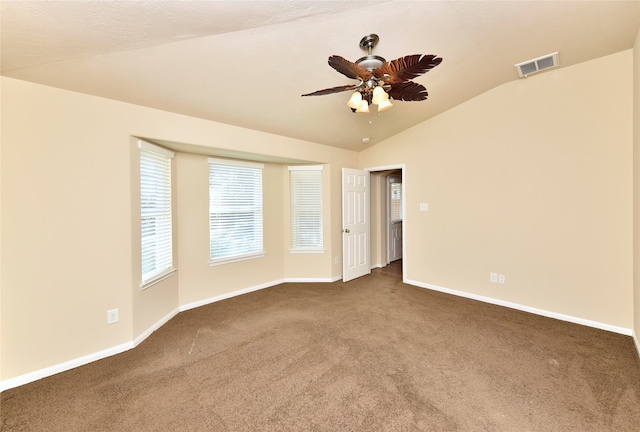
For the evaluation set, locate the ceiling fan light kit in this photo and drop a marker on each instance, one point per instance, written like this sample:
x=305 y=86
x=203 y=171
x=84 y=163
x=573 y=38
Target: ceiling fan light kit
x=355 y=101
x=363 y=108
x=380 y=80
x=384 y=105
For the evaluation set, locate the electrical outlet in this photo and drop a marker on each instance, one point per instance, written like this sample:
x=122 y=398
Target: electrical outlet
x=112 y=316
x=424 y=206
x=501 y=279
x=493 y=277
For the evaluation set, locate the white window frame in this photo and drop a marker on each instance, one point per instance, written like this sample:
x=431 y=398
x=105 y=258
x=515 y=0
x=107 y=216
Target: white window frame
x=395 y=200
x=296 y=206
x=155 y=179
x=252 y=205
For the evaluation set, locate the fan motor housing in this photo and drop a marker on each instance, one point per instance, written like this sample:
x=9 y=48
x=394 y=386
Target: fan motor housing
x=371 y=62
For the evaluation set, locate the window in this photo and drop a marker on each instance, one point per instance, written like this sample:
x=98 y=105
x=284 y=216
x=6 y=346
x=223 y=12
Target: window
x=306 y=208
x=396 y=200
x=235 y=210
x=155 y=213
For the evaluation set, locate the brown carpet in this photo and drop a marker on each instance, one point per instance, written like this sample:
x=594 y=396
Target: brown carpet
x=373 y=354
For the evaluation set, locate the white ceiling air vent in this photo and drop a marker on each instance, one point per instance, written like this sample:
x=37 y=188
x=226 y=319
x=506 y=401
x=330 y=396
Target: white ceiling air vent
x=537 y=65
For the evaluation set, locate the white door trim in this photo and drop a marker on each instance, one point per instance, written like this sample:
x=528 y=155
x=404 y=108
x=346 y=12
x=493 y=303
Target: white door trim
x=402 y=167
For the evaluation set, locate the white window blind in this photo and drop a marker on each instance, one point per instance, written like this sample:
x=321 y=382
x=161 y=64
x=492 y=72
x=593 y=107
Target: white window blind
x=155 y=211
x=306 y=207
x=235 y=210
x=396 y=201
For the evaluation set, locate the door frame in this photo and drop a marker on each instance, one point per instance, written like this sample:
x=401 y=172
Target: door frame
x=402 y=167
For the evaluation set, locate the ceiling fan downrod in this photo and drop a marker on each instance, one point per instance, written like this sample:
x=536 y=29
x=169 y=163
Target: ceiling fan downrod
x=367 y=89
x=370 y=62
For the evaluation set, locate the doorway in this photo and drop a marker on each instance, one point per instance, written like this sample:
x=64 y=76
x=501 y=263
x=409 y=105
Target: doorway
x=387 y=216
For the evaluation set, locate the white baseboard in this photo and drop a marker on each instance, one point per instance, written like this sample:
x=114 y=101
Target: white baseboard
x=310 y=280
x=517 y=306
x=81 y=361
x=65 y=366
x=229 y=295
x=256 y=288
x=637 y=342
x=145 y=334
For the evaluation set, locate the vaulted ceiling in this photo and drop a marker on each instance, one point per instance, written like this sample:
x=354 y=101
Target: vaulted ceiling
x=247 y=63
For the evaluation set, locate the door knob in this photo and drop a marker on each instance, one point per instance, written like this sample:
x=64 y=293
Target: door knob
x=346 y=230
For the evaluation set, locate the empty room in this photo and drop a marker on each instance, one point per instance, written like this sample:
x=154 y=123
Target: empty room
x=320 y=215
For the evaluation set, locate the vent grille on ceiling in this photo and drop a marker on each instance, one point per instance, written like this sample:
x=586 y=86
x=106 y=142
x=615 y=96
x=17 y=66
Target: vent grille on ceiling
x=536 y=65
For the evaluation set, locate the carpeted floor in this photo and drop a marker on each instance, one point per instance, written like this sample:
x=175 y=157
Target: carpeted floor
x=372 y=354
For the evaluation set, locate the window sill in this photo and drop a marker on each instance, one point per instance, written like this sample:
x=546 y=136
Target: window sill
x=157 y=279
x=222 y=261
x=306 y=250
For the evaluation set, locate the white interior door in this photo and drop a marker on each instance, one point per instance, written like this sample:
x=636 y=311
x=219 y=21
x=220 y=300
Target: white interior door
x=355 y=224
x=395 y=242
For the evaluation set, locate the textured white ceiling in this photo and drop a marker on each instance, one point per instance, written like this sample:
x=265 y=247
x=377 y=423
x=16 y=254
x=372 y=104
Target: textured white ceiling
x=247 y=63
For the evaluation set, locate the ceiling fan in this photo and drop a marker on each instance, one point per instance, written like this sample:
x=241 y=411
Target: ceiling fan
x=380 y=80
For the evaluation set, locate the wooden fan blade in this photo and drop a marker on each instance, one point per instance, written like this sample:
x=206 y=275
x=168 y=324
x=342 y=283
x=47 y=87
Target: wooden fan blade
x=406 y=68
x=332 y=90
x=408 y=91
x=349 y=69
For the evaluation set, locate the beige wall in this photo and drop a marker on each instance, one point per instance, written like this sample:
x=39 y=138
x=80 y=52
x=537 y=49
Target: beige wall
x=636 y=187
x=69 y=234
x=532 y=180
x=149 y=305
x=312 y=267
x=66 y=227
x=537 y=185
x=198 y=281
